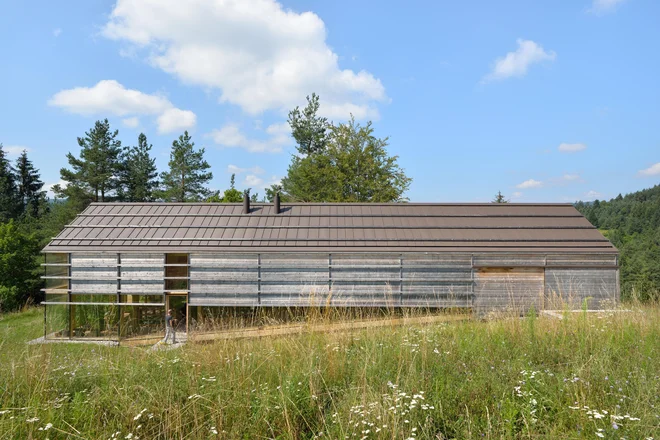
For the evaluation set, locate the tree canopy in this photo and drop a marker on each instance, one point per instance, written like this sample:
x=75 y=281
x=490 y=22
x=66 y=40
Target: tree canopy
x=93 y=176
x=340 y=163
x=138 y=175
x=187 y=177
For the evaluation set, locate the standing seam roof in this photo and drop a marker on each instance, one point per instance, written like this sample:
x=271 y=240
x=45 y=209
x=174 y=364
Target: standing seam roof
x=339 y=227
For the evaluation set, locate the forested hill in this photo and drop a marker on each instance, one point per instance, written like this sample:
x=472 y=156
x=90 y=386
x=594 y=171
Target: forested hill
x=632 y=224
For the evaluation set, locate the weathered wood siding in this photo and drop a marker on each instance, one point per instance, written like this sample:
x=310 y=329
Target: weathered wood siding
x=508 y=288
x=571 y=287
x=223 y=279
x=437 y=280
x=377 y=280
x=93 y=274
x=142 y=274
x=485 y=282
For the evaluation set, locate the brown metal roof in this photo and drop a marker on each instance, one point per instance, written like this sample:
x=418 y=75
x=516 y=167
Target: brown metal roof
x=331 y=227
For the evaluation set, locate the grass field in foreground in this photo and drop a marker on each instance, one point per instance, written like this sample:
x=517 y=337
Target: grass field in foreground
x=585 y=376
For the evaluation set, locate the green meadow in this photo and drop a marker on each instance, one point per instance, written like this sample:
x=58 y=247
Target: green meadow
x=584 y=376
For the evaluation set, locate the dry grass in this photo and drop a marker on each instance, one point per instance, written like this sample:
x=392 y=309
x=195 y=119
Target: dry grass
x=584 y=376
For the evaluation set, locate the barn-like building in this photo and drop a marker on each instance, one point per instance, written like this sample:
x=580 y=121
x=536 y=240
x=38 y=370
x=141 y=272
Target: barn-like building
x=117 y=267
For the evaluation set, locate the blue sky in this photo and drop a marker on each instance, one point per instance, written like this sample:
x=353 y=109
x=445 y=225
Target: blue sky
x=547 y=101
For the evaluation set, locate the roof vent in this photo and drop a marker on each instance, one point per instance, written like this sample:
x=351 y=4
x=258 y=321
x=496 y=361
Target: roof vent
x=246 y=203
x=276 y=202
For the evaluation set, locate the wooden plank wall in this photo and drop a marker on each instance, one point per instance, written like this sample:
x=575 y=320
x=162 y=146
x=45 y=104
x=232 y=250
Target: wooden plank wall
x=367 y=279
x=93 y=274
x=142 y=274
x=375 y=280
x=571 y=287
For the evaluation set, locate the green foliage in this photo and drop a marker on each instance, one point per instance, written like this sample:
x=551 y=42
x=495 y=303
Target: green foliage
x=187 y=177
x=230 y=195
x=9 y=204
x=354 y=167
x=539 y=378
x=31 y=196
x=17 y=265
x=632 y=224
x=94 y=176
x=274 y=189
x=499 y=198
x=308 y=129
x=138 y=176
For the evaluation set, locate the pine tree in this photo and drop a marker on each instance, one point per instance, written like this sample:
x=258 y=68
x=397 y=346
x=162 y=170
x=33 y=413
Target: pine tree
x=29 y=186
x=9 y=206
x=138 y=173
x=309 y=130
x=94 y=176
x=499 y=198
x=187 y=178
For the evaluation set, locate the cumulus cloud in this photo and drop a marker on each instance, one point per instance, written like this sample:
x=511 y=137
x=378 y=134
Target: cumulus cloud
x=258 y=55
x=531 y=183
x=516 y=195
x=570 y=177
x=592 y=195
x=516 y=64
x=653 y=170
x=231 y=136
x=233 y=169
x=604 y=6
x=14 y=150
x=133 y=122
x=571 y=148
x=109 y=97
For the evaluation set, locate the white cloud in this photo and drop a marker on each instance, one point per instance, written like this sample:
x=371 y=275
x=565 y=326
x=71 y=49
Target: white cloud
x=131 y=122
x=253 y=181
x=570 y=177
x=175 y=119
x=653 y=170
x=230 y=136
x=517 y=195
x=49 y=187
x=257 y=54
x=233 y=169
x=604 y=6
x=14 y=150
x=592 y=195
x=517 y=63
x=531 y=183
x=571 y=148
x=111 y=97
x=57 y=32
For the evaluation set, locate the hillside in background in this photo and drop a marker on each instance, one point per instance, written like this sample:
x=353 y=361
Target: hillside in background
x=632 y=224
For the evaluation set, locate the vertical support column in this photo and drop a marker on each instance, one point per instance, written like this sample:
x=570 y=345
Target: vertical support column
x=118 y=296
x=187 y=293
x=45 y=295
x=545 y=265
x=470 y=301
x=259 y=279
x=329 y=273
x=401 y=280
x=617 y=288
x=71 y=308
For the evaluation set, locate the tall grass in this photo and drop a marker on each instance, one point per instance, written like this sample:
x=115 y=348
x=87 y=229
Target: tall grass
x=584 y=376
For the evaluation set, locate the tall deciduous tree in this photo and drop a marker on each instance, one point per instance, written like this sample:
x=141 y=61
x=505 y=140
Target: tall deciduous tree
x=9 y=206
x=354 y=167
x=94 y=176
x=139 y=178
x=29 y=186
x=308 y=129
x=187 y=178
